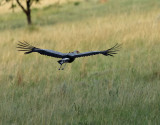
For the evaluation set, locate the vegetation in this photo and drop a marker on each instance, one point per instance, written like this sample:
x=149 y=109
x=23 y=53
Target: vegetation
x=26 y=10
x=94 y=90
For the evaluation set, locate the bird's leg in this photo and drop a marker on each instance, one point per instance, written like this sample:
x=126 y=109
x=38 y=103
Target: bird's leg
x=64 y=66
x=60 y=67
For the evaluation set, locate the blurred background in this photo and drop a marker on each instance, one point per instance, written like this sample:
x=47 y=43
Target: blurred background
x=123 y=89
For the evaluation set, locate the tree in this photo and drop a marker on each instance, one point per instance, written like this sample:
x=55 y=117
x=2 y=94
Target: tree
x=26 y=10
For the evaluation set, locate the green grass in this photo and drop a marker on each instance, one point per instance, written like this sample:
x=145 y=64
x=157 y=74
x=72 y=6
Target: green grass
x=68 y=12
x=92 y=90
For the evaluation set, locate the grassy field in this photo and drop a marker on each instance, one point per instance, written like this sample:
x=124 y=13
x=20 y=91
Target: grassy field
x=96 y=90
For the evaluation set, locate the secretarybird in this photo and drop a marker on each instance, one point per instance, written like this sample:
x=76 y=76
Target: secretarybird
x=65 y=57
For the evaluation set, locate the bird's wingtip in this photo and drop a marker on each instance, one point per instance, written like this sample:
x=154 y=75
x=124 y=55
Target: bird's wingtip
x=24 y=46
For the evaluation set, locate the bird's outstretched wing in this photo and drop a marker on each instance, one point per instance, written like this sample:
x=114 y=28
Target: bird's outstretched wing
x=109 y=52
x=27 y=48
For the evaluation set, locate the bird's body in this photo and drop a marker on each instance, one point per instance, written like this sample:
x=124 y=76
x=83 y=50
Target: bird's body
x=65 y=57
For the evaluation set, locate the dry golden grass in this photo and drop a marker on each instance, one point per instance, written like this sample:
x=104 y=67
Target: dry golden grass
x=91 y=34
x=88 y=35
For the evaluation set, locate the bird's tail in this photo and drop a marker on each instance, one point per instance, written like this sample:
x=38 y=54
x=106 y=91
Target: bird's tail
x=24 y=46
x=112 y=51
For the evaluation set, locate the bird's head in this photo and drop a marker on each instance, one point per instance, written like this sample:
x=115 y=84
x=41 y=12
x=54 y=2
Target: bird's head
x=76 y=52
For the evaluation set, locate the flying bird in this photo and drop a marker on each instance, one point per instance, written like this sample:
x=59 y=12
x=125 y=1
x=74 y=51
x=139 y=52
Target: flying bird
x=65 y=57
